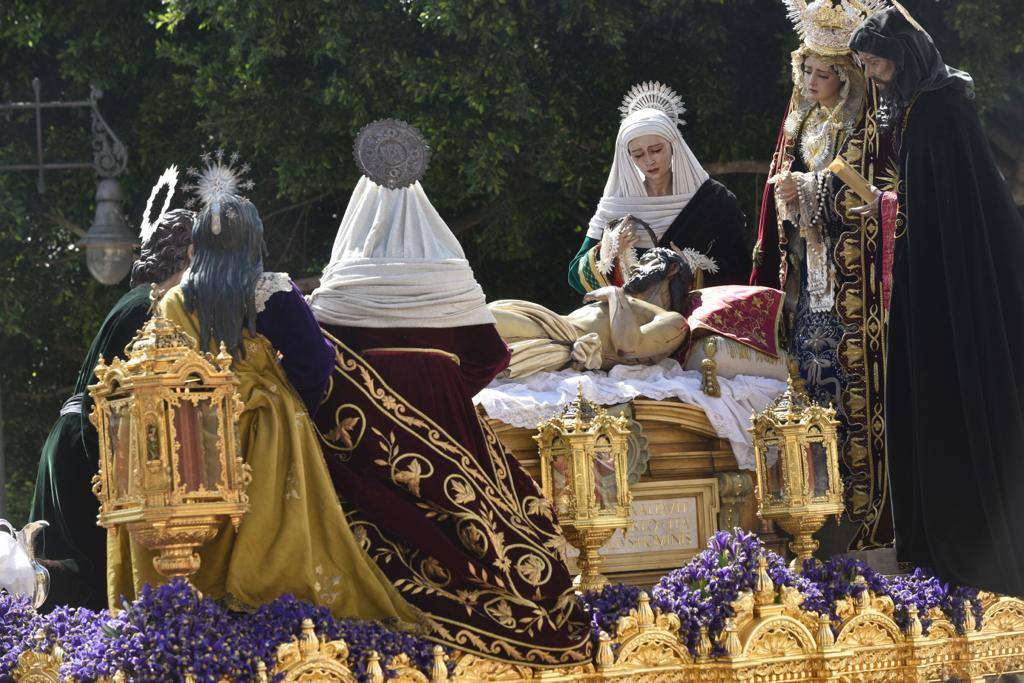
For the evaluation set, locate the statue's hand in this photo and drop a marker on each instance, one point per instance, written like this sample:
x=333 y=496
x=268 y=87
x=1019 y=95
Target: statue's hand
x=602 y=294
x=871 y=208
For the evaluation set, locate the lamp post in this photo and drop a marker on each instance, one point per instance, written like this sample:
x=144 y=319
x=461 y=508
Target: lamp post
x=109 y=245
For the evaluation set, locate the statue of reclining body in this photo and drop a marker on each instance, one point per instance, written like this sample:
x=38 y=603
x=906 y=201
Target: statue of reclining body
x=639 y=323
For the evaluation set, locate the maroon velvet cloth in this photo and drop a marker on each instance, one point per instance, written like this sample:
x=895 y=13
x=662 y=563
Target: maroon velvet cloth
x=442 y=389
x=446 y=512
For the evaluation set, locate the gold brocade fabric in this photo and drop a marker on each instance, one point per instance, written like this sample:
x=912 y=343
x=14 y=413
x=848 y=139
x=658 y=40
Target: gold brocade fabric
x=294 y=539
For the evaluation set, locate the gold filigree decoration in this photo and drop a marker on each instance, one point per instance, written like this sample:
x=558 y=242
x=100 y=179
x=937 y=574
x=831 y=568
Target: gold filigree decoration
x=35 y=666
x=308 y=658
x=868 y=630
x=779 y=637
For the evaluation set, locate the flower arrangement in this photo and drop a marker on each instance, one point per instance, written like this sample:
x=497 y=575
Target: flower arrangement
x=607 y=605
x=701 y=592
x=171 y=630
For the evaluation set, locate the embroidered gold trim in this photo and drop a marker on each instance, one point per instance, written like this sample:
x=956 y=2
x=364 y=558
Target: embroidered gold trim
x=414 y=349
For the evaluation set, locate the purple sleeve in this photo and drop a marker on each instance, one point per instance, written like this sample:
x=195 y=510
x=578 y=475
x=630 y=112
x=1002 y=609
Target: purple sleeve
x=306 y=355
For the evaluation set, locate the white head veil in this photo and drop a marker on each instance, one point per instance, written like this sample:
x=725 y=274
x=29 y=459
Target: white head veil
x=624 y=193
x=396 y=264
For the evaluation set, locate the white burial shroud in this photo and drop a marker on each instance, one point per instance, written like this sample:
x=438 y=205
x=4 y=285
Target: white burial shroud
x=396 y=264
x=624 y=193
x=526 y=401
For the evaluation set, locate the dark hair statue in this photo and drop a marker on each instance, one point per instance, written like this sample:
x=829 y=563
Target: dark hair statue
x=220 y=287
x=166 y=251
x=654 y=266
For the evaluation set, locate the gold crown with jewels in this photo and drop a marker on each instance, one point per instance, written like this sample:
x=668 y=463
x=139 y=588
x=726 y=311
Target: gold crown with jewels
x=825 y=26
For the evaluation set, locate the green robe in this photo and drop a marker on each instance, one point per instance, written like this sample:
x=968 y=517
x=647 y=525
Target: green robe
x=74 y=544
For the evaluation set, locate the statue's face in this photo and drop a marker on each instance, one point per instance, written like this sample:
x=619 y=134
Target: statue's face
x=652 y=154
x=661 y=272
x=821 y=81
x=879 y=69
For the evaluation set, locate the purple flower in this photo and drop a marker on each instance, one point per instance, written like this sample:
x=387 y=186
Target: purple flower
x=607 y=605
x=170 y=630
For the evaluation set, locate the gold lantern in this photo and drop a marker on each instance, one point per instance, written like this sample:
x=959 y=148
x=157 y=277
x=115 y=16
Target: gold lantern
x=584 y=472
x=169 y=469
x=798 y=482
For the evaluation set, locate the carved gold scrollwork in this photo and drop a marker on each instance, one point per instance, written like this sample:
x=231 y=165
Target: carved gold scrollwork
x=778 y=636
x=1006 y=614
x=473 y=669
x=869 y=629
x=309 y=658
x=39 y=667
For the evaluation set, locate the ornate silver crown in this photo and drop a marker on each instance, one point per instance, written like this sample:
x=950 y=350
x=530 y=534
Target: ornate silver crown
x=654 y=95
x=391 y=153
x=825 y=26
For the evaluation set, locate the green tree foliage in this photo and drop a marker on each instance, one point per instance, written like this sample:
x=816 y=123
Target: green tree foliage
x=518 y=99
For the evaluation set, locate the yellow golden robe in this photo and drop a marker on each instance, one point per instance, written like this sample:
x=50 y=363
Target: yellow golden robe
x=294 y=539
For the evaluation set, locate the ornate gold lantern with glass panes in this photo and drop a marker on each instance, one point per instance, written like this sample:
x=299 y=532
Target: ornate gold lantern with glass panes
x=169 y=470
x=584 y=473
x=798 y=482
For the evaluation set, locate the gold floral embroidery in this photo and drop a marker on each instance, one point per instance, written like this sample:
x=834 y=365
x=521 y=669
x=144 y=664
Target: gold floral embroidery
x=349 y=427
x=501 y=612
x=435 y=571
x=473 y=538
x=494 y=512
x=533 y=569
x=462 y=492
x=410 y=477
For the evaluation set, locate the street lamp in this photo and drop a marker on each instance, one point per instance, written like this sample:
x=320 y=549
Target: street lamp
x=109 y=245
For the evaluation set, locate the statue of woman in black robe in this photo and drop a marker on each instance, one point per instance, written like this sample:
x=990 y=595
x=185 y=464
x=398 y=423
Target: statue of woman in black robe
x=75 y=547
x=955 y=365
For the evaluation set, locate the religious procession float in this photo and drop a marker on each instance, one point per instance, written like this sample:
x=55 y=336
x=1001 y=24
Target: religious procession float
x=389 y=478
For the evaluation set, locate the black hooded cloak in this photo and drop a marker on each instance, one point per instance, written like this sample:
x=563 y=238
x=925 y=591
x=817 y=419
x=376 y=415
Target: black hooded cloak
x=954 y=414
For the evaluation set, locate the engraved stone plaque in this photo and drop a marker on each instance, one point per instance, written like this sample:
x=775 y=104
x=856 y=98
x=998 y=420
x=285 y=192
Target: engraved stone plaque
x=672 y=521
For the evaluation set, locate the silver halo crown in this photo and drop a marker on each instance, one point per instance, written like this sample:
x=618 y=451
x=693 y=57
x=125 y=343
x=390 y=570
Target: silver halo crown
x=391 y=153
x=654 y=95
x=169 y=179
x=218 y=180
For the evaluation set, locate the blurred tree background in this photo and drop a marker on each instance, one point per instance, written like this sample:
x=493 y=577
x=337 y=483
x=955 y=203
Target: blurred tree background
x=518 y=99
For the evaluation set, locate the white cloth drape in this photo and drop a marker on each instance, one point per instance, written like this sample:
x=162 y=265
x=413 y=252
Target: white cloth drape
x=526 y=401
x=396 y=264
